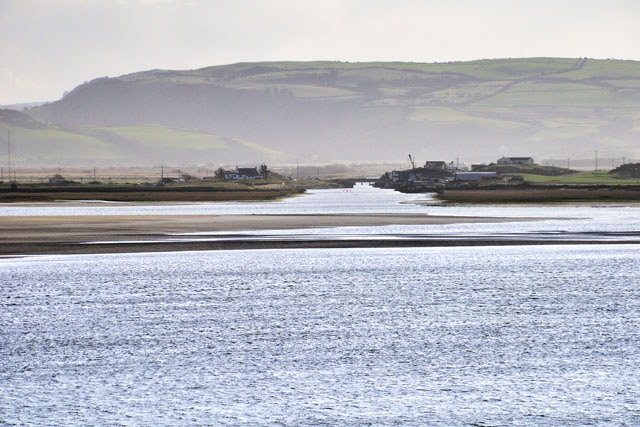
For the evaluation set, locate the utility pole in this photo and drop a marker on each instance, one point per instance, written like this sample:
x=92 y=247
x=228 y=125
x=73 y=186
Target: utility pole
x=568 y=164
x=94 y=173
x=623 y=160
x=9 y=139
x=596 y=151
x=161 y=173
x=297 y=172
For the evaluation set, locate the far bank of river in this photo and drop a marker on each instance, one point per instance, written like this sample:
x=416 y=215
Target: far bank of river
x=541 y=194
x=128 y=193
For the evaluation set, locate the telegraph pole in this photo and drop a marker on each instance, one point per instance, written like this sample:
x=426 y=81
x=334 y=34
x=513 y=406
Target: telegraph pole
x=9 y=140
x=568 y=164
x=596 y=151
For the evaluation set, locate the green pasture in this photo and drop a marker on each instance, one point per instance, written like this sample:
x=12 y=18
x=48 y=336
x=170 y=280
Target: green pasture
x=445 y=116
x=599 y=177
x=606 y=68
x=43 y=144
x=162 y=137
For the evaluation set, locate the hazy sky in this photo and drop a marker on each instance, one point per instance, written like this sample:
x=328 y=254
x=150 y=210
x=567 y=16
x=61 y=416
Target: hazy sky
x=51 y=46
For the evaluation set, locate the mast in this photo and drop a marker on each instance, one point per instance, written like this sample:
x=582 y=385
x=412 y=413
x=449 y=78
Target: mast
x=9 y=139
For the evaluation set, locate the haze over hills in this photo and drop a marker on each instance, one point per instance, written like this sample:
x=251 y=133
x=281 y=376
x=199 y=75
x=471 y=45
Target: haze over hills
x=328 y=111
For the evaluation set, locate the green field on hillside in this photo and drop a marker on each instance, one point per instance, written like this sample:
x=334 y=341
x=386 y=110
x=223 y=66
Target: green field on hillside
x=164 y=137
x=600 y=177
x=445 y=116
x=156 y=137
x=552 y=94
x=44 y=144
x=97 y=144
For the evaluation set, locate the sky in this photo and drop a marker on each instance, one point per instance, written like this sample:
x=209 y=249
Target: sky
x=48 y=47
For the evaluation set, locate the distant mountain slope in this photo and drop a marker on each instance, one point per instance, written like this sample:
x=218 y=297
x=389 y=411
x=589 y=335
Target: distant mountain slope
x=35 y=142
x=319 y=111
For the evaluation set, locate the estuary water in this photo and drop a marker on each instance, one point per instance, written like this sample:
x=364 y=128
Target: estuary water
x=364 y=199
x=360 y=199
x=475 y=336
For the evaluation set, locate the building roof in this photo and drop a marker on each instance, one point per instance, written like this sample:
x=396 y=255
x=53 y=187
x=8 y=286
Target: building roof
x=517 y=158
x=248 y=171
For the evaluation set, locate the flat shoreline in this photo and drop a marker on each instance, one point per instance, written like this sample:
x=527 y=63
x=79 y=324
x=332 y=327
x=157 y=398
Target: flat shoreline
x=538 y=196
x=29 y=235
x=141 y=195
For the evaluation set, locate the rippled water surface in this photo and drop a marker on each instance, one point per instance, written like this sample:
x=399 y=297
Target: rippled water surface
x=516 y=335
x=361 y=199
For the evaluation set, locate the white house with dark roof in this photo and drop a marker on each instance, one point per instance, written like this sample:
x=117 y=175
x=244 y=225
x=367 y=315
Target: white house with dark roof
x=516 y=161
x=244 y=173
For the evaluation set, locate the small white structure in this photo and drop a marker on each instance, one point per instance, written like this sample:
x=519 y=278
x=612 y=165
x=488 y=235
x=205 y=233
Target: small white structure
x=475 y=176
x=516 y=161
x=435 y=164
x=454 y=167
x=244 y=173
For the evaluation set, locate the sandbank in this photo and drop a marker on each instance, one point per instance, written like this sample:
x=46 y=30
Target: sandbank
x=22 y=235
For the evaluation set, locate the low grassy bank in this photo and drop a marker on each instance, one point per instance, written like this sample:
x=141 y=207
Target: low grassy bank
x=142 y=194
x=494 y=196
x=599 y=177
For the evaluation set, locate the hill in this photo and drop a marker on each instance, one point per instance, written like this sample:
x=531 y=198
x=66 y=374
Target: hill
x=36 y=142
x=323 y=111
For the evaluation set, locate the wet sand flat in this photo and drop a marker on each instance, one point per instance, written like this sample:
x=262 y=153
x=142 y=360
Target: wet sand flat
x=65 y=234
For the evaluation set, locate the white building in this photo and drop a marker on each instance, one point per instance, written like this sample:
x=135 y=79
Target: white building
x=453 y=167
x=243 y=173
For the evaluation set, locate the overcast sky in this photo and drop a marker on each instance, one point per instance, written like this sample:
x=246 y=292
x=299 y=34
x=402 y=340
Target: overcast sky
x=50 y=46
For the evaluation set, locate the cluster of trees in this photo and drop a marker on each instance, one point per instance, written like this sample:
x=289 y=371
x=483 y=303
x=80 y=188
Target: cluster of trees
x=629 y=170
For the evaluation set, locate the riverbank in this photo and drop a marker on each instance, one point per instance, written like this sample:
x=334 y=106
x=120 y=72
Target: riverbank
x=145 y=194
x=24 y=235
x=536 y=195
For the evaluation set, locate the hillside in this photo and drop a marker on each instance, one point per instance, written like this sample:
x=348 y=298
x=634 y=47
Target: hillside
x=324 y=111
x=35 y=142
